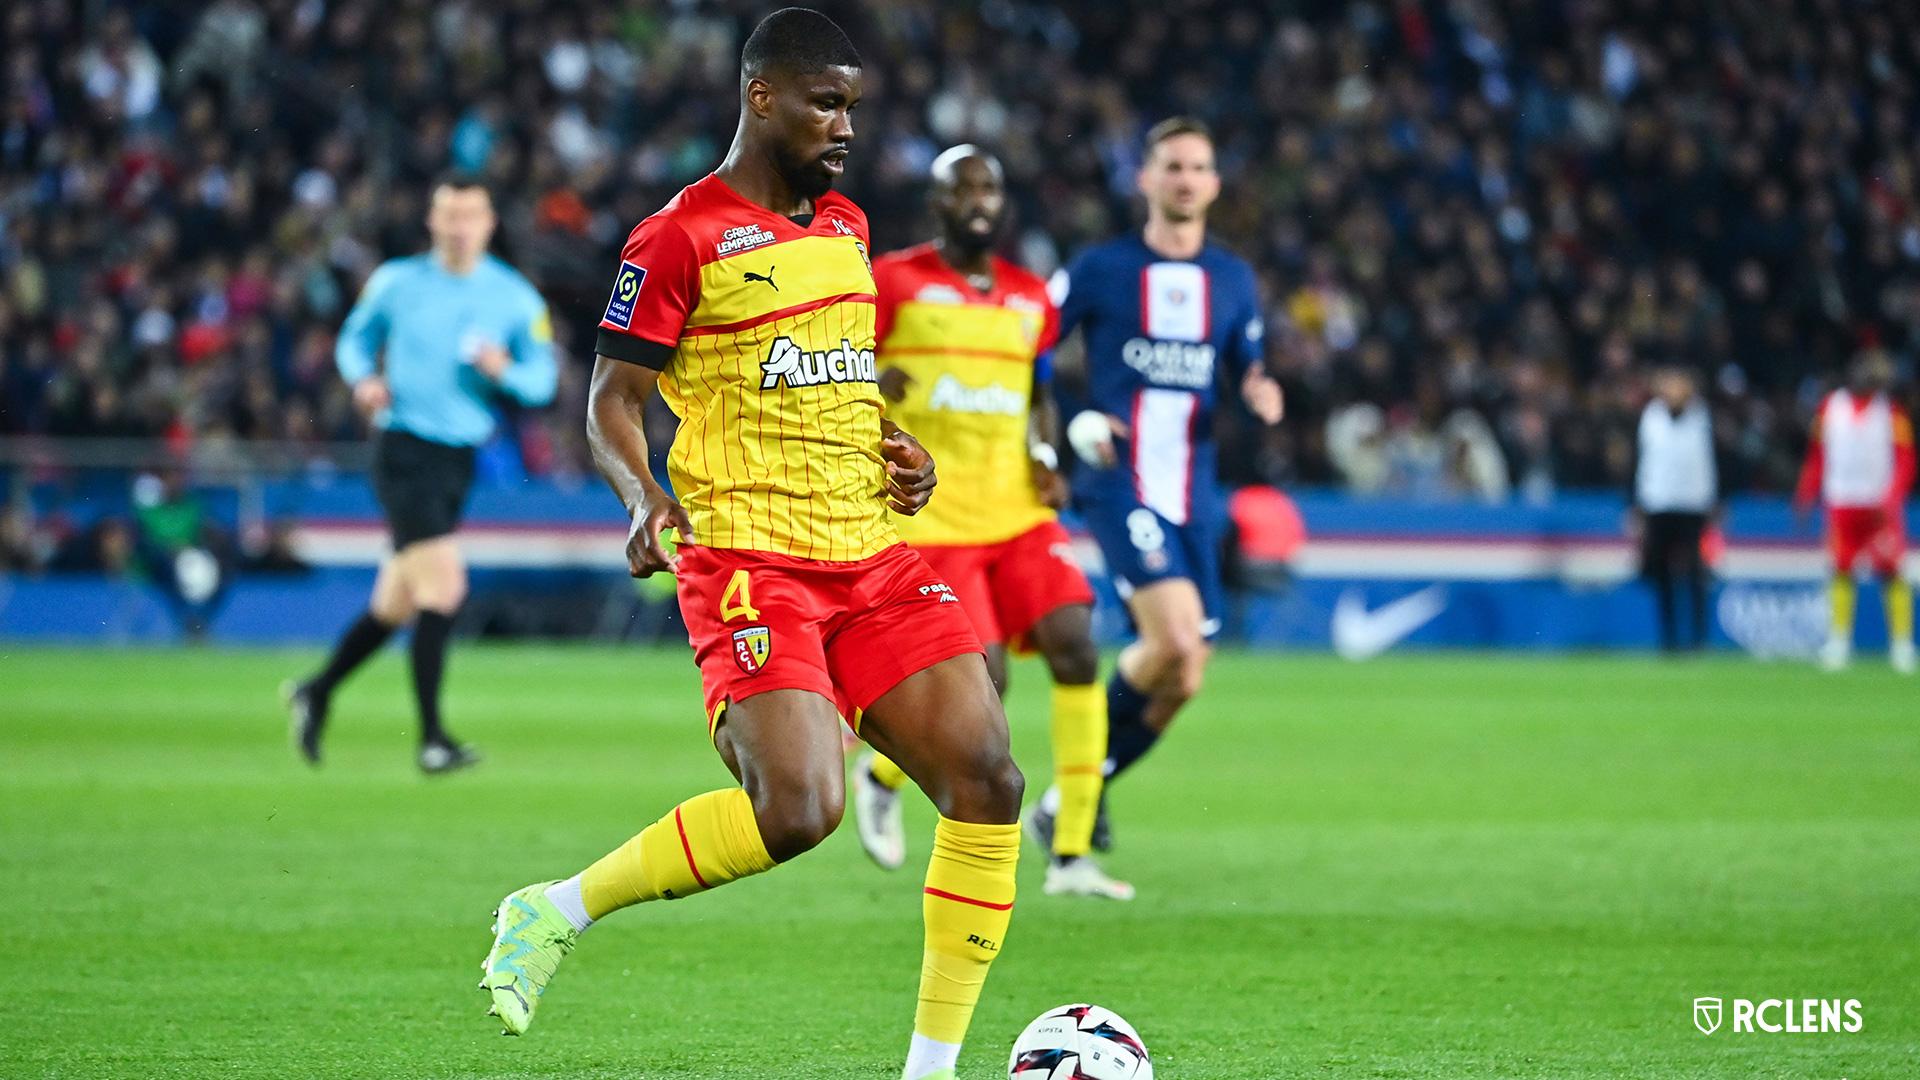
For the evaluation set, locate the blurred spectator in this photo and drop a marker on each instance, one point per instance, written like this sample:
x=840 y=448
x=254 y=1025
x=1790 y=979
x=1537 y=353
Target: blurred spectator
x=1675 y=493
x=1475 y=222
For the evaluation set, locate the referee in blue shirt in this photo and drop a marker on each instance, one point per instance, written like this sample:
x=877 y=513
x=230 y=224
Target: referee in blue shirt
x=430 y=344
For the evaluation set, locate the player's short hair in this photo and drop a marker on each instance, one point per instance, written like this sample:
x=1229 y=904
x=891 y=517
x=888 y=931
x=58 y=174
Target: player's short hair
x=1174 y=126
x=460 y=181
x=796 y=41
x=941 y=171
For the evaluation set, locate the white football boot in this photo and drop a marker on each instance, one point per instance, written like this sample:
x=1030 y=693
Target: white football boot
x=876 y=810
x=1902 y=656
x=1836 y=654
x=1083 y=877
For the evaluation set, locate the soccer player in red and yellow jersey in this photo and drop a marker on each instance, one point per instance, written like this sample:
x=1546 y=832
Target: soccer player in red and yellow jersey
x=964 y=340
x=1860 y=462
x=748 y=302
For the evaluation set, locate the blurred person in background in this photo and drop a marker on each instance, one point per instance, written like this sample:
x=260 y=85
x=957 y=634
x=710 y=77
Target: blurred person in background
x=430 y=344
x=1676 y=489
x=1162 y=311
x=965 y=360
x=1860 y=463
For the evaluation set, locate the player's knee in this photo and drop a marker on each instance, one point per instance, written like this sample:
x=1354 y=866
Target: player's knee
x=1003 y=789
x=1074 y=663
x=987 y=786
x=1189 y=669
x=795 y=821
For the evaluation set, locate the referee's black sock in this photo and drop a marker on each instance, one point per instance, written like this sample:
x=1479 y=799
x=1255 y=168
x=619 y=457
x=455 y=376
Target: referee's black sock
x=361 y=640
x=1128 y=736
x=430 y=633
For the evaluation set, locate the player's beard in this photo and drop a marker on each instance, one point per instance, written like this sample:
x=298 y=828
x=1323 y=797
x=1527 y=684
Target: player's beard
x=806 y=177
x=968 y=244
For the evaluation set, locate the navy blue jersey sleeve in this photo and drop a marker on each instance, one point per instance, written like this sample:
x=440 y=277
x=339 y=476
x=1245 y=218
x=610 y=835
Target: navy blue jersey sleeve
x=1246 y=339
x=1071 y=291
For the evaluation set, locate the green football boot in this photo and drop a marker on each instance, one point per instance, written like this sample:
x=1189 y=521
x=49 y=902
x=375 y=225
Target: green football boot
x=530 y=938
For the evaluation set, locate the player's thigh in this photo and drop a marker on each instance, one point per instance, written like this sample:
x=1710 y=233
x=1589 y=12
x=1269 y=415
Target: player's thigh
x=435 y=573
x=784 y=748
x=996 y=655
x=1064 y=638
x=944 y=727
x=392 y=601
x=1169 y=614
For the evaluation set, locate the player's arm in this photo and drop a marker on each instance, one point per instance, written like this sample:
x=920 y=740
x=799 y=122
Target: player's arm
x=1903 y=461
x=356 y=353
x=527 y=369
x=1258 y=388
x=617 y=435
x=910 y=478
x=1090 y=432
x=1043 y=442
x=1043 y=419
x=657 y=285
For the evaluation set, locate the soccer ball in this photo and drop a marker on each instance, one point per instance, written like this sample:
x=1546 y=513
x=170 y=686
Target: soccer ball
x=1079 y=1042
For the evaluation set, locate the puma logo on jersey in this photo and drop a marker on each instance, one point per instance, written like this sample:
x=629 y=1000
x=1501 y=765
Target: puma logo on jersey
x=788 y=362
x=766 y=277
x=953 y=395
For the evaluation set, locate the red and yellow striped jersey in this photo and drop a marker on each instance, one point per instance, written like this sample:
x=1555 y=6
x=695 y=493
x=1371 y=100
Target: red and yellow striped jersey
x=971 y=357
x=772 y=374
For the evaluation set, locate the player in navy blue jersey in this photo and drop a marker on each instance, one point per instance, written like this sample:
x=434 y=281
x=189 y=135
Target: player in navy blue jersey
x=1168 y=319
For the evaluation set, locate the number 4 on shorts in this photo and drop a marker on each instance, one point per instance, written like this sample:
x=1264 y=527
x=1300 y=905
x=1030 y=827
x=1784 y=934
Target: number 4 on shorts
x=737 y=600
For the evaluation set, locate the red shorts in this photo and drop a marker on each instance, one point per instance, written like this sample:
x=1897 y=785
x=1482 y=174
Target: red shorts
x=1007 y=587
x=849 y=631
x=1856 y=530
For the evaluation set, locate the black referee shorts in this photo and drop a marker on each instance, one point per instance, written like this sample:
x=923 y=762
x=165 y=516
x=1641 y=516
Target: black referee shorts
x=422 y=485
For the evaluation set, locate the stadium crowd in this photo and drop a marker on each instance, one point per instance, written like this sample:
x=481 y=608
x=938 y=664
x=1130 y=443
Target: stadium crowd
x=1477 y=223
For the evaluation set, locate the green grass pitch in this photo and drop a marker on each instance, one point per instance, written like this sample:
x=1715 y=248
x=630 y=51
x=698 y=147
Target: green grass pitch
x=1426 y=866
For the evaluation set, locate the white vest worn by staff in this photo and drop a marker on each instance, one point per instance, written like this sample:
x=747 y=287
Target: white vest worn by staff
x=1857 y=441
x=1676 y=473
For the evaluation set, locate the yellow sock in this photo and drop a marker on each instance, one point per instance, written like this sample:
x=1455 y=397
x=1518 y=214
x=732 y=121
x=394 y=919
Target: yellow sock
x=1897 y=594
x=968 y=902
x=885 y=771
x=1079 y=750
x=1841 y=598
x=704 y=843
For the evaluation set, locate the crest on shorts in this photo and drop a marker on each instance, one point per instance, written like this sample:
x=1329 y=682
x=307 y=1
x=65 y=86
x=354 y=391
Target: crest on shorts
x=751 y=647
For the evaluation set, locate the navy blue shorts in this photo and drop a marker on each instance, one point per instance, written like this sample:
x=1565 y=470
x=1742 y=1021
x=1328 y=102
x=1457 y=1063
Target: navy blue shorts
x=1142 y=547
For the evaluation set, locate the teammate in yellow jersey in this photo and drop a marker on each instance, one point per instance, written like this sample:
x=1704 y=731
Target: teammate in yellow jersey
x=748 y=302
x=965 y=339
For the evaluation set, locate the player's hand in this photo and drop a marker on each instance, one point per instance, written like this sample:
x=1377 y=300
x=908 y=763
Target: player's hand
x=1635 y=525
x=491 y=360
x=1263 y=395
x=1091 y=435
x=910 y=478
x=371 y=395
x=1050 y=486
x=646 y=553
x=894 y=383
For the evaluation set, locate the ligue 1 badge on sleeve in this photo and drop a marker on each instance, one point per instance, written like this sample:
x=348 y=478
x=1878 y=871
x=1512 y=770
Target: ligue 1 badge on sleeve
x=751 y=647
x=1706 y=1015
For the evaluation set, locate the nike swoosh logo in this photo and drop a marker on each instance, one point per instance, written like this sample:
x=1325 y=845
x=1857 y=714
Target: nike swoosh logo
x=1359 y=633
